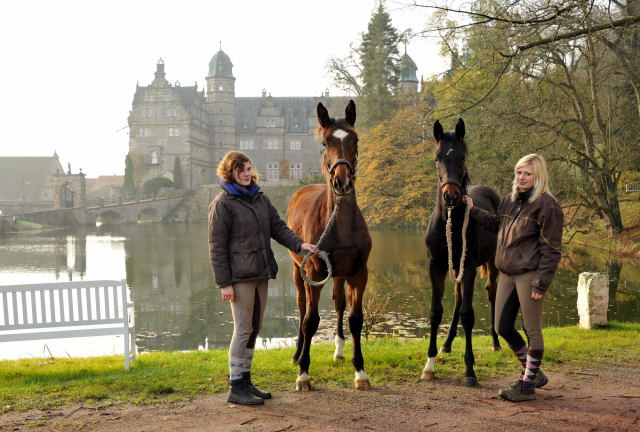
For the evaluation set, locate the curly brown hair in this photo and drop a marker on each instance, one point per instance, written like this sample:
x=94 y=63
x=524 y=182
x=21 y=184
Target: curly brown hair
x=232 y=161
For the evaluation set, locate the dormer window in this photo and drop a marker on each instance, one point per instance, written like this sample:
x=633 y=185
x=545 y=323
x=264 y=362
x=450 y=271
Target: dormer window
x=154 y=157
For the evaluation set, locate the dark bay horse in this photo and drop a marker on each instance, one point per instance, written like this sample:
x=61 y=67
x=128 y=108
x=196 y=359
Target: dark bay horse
x=347 y=242
x=451 y=152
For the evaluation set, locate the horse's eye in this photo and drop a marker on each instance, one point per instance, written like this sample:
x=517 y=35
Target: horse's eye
x=324 y=143
x=437 y=159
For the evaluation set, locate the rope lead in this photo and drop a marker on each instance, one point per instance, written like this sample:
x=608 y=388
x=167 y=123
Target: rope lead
x=324 y=256
x=465 y=224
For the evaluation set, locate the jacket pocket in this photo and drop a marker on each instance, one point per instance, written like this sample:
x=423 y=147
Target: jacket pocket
x=245 y=264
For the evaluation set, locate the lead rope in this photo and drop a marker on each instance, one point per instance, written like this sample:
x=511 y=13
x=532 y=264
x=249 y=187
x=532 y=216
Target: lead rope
x=465 y=224
x=324 y=256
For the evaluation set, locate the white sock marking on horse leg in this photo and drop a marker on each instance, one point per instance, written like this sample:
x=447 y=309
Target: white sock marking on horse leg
x=431 y=365
x=339 y=353
x=303 y=377
x=340 y=134
x=361 y=376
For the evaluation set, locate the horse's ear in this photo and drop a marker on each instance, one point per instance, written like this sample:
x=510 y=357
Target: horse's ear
x=350 y=113
x=323 y=116
x=460 y=129
x=438 y=132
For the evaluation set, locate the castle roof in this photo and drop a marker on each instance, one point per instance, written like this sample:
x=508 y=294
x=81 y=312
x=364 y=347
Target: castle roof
x=22 y=177
x=295 y=110
x=220 y=65
x=408 y=69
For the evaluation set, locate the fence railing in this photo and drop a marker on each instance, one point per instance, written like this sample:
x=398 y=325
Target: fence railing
x=632 y=187
x=99 y=202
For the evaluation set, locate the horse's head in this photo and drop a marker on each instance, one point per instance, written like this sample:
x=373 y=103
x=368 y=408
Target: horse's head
x=340 y=148
x=450 y=154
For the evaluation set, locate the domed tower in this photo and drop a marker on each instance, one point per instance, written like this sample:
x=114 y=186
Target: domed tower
x=221 y=101
x=408 y=82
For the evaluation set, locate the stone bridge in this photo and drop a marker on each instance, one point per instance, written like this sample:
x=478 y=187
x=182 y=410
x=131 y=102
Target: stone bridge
x=153 y=209
x=144 y=210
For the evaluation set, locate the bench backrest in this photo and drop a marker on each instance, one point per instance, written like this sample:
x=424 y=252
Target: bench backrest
x=62 y=304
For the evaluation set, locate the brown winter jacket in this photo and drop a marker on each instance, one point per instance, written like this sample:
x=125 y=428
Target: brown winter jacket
x=529 y=236
x=240 y=233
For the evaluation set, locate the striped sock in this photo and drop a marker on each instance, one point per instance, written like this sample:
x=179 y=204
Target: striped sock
x=521 y=353
x=534 y=360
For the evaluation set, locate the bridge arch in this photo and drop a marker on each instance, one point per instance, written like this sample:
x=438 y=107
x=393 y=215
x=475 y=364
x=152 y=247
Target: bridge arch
x=109 y=217
x=148 y=215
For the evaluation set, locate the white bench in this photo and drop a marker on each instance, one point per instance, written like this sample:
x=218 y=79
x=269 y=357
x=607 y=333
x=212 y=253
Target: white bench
x=66 y=310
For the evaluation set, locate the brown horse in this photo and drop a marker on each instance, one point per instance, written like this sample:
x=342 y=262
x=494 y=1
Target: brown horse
x=347 y=242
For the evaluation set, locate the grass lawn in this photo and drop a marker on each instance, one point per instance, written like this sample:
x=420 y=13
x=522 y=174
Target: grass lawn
x=43 y=383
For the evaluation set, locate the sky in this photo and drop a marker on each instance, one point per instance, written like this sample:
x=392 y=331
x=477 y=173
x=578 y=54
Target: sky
x=69 y=68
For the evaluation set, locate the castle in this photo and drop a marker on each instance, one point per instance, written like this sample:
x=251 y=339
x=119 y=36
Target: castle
x=196 y=127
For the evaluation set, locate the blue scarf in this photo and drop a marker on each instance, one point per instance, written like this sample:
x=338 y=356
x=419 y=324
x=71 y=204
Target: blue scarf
x=236 y=189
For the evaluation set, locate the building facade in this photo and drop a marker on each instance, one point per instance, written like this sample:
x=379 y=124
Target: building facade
x=196 y=127
x=39 y=183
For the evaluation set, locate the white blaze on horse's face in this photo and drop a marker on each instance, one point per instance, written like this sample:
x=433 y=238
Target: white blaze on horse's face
x=340 y=134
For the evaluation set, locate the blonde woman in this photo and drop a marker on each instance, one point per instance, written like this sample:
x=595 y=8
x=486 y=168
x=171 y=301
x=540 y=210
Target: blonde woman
x=242 y=223
x=529 y=227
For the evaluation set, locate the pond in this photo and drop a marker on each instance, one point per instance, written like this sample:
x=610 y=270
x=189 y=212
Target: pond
x=178 y=307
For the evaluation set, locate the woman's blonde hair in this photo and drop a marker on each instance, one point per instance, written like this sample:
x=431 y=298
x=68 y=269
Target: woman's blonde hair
x=540 y=176
x=232 y=161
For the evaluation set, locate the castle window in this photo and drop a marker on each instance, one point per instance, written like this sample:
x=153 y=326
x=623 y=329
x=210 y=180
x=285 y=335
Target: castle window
x=146 y=112
x=154 y=157
x=220 y=88
x=171 y=111
x=174 y=131
x=272 y=144
x=295 y=144
x=246 y=145
x=273 y=170
x=269 y=123
x=144 y=132
x=295 y=171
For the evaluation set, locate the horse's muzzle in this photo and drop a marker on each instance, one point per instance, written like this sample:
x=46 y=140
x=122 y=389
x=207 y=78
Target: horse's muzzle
x=342 y=186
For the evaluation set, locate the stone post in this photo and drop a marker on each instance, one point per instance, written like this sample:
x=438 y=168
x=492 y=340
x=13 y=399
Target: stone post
x=593 y=299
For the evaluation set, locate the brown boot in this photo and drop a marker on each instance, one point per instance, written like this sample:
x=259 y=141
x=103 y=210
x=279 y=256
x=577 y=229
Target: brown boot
x=521 y=391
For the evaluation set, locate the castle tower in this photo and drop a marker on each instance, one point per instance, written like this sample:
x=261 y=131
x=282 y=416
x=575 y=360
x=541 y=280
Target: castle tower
x=408 y=82
x=221 y=104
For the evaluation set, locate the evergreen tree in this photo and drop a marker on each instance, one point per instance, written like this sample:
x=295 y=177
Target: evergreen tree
x=128 y=172
x=380 y=68
x=177 y=173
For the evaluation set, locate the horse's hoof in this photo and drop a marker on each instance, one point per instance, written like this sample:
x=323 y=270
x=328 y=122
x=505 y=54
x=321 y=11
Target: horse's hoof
x=496 y=348
x=337 y=357
x=470 y=381
x=427 y=376
x=304 y=386
x=445 y=349
x=362 y=384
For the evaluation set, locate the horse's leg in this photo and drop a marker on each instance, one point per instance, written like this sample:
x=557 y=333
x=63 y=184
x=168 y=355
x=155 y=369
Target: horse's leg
x=492 y=285
x=339 y=303
x=437 y=275
x=357 y=284
x=468 y=319
x=453 y=330
x=309 y=328
x=301 y=300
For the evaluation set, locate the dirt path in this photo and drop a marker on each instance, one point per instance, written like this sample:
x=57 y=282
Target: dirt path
x=607 y=399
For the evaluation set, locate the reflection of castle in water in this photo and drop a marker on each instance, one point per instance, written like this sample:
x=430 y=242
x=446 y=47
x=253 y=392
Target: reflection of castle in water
x=177 y=304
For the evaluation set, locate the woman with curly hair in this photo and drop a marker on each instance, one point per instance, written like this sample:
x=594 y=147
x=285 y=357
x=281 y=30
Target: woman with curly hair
x=242 y=222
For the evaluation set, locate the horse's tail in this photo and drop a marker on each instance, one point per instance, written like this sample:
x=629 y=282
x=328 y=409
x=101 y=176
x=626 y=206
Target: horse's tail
x=484 y=271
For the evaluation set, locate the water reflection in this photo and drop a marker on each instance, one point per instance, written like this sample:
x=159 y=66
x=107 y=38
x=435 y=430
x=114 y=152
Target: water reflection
x=178 y=307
